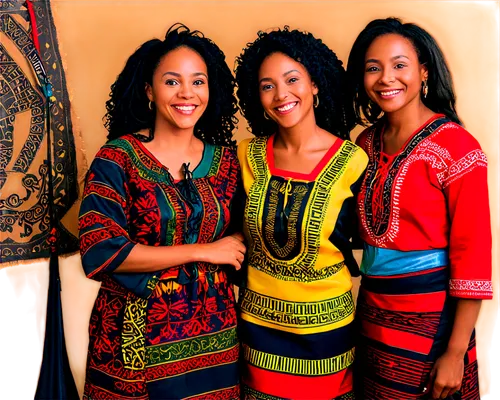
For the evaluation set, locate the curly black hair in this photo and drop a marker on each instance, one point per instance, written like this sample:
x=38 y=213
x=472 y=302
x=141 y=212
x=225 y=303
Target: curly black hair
x=128 y=107
x=333 y=114
x=440 y=97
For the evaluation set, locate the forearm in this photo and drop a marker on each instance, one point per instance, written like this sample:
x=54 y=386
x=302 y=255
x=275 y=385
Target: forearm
x=155 y=258
x=463 y=325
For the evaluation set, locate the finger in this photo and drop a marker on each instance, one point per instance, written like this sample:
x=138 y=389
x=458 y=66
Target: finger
x=445 y=393
x=238 y=236
x=430 y=381
x=437 y=389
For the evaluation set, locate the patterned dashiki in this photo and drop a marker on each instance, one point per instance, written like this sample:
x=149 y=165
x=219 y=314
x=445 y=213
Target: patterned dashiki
x=424 y=217
x=297 y=309
x=169 y=334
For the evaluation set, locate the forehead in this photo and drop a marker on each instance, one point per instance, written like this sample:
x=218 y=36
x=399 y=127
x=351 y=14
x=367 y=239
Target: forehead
x=390 y=45
x=182 y=58
x=278 y=64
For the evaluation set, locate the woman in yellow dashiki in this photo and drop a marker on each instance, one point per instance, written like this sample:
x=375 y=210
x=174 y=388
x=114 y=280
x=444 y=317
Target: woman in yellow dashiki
x=300 y=175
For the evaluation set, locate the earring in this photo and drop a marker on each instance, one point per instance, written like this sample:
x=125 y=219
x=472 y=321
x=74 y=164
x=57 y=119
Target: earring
x=425 y=89
x=316 y=101
x=266 y=116
x=151 y=105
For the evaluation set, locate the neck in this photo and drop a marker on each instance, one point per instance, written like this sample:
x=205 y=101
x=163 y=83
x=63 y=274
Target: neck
x=407 y=120
x=167 y=137
x=298 y=137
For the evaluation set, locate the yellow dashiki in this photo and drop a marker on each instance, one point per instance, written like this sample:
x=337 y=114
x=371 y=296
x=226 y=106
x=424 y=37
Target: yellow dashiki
x=297 y=308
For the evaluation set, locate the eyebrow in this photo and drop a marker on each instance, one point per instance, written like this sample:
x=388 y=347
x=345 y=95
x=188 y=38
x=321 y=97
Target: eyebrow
x=374 y=60
x=179 y=75
x=285 y=74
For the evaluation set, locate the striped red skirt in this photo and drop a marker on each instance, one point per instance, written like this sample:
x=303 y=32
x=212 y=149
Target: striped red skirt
x=405 y=322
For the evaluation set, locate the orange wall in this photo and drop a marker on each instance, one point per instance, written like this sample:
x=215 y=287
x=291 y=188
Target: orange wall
x=97 y=36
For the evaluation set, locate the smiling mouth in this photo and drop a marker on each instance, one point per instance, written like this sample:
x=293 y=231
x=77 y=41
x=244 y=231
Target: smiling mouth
x=286 y=108
x=186 y=110
x=390 y=93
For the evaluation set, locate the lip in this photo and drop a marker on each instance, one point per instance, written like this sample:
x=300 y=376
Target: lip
x=389 y=93
x=289 y=107
x=184 y=109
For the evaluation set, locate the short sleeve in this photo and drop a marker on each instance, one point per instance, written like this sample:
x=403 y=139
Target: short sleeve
x=103 y=223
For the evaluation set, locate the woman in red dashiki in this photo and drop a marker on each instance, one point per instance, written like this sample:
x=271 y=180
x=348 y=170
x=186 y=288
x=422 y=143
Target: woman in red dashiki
x=152 y=224
x=424 y=218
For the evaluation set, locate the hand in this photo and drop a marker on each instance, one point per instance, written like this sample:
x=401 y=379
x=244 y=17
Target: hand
x=229 y=250
x=446 y=375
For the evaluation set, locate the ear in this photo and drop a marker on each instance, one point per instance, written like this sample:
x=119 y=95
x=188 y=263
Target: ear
x=315 y=89
x=149 y=92
x=424 y=72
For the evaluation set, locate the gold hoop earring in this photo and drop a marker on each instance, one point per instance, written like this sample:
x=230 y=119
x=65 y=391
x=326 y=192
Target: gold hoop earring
x=150 y=105
x=266 y=116
x=425 y=89
x=316 y=101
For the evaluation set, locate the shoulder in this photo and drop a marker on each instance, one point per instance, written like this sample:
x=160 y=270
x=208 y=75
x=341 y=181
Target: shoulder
x=457 y=142
x=357 y=158
x=251 y=144
x=366 y=136
x=228 y=154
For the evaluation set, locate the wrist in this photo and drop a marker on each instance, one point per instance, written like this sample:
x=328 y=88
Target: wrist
x=196 y=253
x=456 y=350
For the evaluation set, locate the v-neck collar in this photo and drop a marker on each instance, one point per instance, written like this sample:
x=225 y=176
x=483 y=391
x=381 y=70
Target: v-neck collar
x=299 y=175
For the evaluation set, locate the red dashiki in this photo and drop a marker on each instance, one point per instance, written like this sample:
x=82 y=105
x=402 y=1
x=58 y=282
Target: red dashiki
x=424 y=218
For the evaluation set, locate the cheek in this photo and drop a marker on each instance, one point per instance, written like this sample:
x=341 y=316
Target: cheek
x=368 y=81
x=265 y=98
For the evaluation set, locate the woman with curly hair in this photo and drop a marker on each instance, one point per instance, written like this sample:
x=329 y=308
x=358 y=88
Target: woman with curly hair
x=424 y=219
x=300 y=175
x=152 y=228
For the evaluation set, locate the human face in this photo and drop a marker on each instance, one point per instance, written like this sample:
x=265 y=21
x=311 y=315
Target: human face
x=393 y=75
x=286 y=90
x=179 y=89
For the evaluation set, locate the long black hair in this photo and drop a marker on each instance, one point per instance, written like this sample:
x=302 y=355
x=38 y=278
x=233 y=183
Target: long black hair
x=440 y=97
x=325 y=69
x=128 y=107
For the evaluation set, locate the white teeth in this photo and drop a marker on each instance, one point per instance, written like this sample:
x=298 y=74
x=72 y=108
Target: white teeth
x=286 y=107
x=392 y=92
x=185 y=108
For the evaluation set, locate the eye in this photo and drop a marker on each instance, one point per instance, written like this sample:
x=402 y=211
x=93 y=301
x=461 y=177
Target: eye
x=293 y=80
x=171 y=82
x=372 y=68
x=399 y=66
x=266 y=87
x=199 y=82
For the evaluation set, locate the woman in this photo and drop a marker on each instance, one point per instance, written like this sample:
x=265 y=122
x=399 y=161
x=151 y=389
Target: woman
x=154 y=213
x=424 y=217
x=300 y=174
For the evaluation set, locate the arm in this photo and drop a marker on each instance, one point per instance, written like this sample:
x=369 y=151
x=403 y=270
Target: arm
x=466 y=191
x=447 y=373
x=226 y=251
x=105 y=245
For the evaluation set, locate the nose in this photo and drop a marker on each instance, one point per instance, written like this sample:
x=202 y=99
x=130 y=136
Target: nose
x=281 y=93
x=387 y=77
x=186 y=91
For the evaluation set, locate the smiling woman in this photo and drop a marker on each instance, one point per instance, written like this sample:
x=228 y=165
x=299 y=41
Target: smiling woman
x=300 y=174
x=426 y=262
x=153 y=226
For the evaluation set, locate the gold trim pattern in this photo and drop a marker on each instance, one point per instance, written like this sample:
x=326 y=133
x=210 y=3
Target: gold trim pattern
x=300 y=268
x=297 y=314
x=133 y=333
x=298 y=366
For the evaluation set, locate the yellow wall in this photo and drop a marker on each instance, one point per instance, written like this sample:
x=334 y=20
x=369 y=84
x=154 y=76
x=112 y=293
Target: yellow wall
x=97 y=36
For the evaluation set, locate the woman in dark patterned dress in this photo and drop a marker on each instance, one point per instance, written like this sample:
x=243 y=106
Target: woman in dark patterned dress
x=424 y=218
x=152 y=228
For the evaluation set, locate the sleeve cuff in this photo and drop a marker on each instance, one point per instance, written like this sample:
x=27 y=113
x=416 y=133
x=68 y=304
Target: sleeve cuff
x=471 y=289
